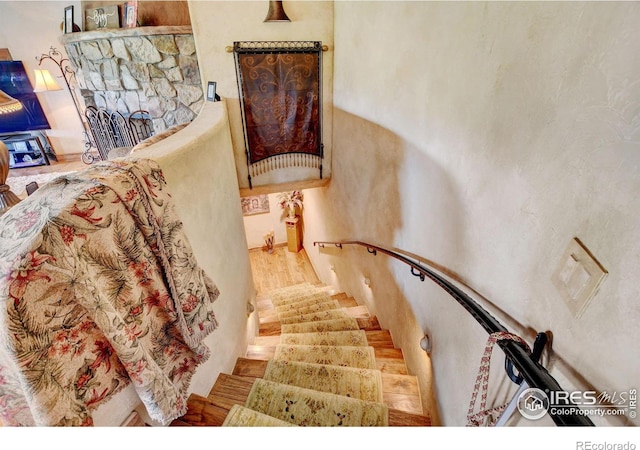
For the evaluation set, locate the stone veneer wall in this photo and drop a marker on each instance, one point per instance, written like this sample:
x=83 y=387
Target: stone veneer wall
x=150 y=68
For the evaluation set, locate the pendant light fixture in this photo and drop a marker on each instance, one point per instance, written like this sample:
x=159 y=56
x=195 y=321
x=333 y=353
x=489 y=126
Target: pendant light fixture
x=276 y=12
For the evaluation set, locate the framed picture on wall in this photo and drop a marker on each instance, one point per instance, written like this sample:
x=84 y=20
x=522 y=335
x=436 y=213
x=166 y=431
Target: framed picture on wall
x=102 y=18
x=68 y=19
x=211 y=92
x=130 y=14
x=258 y=204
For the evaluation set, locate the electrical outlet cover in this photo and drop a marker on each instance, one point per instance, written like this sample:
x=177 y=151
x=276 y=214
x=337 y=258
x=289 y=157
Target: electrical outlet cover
x=578 y=276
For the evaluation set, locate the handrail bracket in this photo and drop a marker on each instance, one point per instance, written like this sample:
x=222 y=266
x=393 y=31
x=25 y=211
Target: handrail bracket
x=417 y=274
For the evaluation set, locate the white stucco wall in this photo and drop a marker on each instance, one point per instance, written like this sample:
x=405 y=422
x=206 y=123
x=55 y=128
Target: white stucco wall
x=218 y=24
x=258 y=225
x=485 y=136
x=197 y=163
x=29 y=29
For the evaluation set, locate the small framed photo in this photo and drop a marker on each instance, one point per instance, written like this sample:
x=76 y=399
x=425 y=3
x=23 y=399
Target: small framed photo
x=211 y=92
x=68 y=19
x=130 y=14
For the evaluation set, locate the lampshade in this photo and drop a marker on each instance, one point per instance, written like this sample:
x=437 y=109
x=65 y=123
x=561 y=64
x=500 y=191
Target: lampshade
x=8 y=104
x=45 y=82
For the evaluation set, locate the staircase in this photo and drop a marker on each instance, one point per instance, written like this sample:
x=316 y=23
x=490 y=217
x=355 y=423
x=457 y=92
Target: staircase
x=315 y=314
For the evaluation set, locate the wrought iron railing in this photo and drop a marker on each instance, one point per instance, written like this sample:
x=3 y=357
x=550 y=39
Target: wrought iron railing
x=527 y=365
x=113 y=130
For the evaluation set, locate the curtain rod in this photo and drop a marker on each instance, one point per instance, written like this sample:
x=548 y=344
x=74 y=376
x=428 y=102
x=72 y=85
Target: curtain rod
x=229 y=48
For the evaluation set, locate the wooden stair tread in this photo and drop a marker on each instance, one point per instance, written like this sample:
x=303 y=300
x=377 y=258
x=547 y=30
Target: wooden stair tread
x=380 y=338
x=247 y=367
x=203 y=411
x=357 y=312
x=375 y=338
x=399 y=391
x=232 y=388
x=275 y=328
x=388 y=360
x=369 y=323
x=180 y=423
x=264 y=303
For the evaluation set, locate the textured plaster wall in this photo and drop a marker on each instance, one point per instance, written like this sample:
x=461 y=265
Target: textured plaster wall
x=29 y=29
x=198 y=165
x=218 y=24
x=485 y=136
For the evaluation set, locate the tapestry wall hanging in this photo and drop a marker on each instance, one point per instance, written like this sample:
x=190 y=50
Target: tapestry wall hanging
x=279 y=86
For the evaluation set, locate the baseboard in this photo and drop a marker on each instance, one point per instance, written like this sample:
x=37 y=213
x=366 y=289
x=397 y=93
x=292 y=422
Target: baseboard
x=69 y=157
x=264 y=247
x=133 y=420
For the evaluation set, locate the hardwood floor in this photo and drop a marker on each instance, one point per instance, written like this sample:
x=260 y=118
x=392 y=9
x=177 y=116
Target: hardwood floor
x=53 y=167
x=280 y=268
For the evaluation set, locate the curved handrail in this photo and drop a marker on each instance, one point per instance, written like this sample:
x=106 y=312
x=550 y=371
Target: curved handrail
x=532 y=371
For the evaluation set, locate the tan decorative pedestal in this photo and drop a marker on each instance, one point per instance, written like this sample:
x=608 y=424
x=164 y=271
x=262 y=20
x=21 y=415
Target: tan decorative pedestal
x=294 y=234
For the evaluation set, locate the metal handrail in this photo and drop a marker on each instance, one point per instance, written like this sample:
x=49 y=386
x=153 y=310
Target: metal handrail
x=530 y=369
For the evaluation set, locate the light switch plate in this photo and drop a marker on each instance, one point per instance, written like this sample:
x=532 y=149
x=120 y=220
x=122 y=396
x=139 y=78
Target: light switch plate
x=578 y=276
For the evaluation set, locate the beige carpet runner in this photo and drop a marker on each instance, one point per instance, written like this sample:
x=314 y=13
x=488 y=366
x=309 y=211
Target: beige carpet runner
x=292 y=297
x=348 y=323
x=364 y=384
x=311 y=408
x=348 y=356
x=332 y=314
x=241 y=416
x=313 y=306
x=346 y=337
x=323 y=372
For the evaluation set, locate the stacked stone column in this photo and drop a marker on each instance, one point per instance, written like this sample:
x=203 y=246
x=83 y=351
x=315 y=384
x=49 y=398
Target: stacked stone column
x=156 y=73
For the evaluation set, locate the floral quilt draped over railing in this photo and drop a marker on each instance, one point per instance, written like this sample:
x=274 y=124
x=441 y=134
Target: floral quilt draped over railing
x=99 y=288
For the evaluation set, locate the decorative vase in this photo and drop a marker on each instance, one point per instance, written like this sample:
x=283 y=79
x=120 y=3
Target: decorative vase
x=268 y=240
x=292 y=213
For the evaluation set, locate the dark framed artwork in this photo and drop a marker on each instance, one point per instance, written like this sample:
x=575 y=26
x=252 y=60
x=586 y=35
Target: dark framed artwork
x=211 y=92
x=68 y=19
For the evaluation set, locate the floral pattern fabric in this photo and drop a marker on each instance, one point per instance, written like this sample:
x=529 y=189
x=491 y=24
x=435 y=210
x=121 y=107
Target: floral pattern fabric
x=99 y=288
